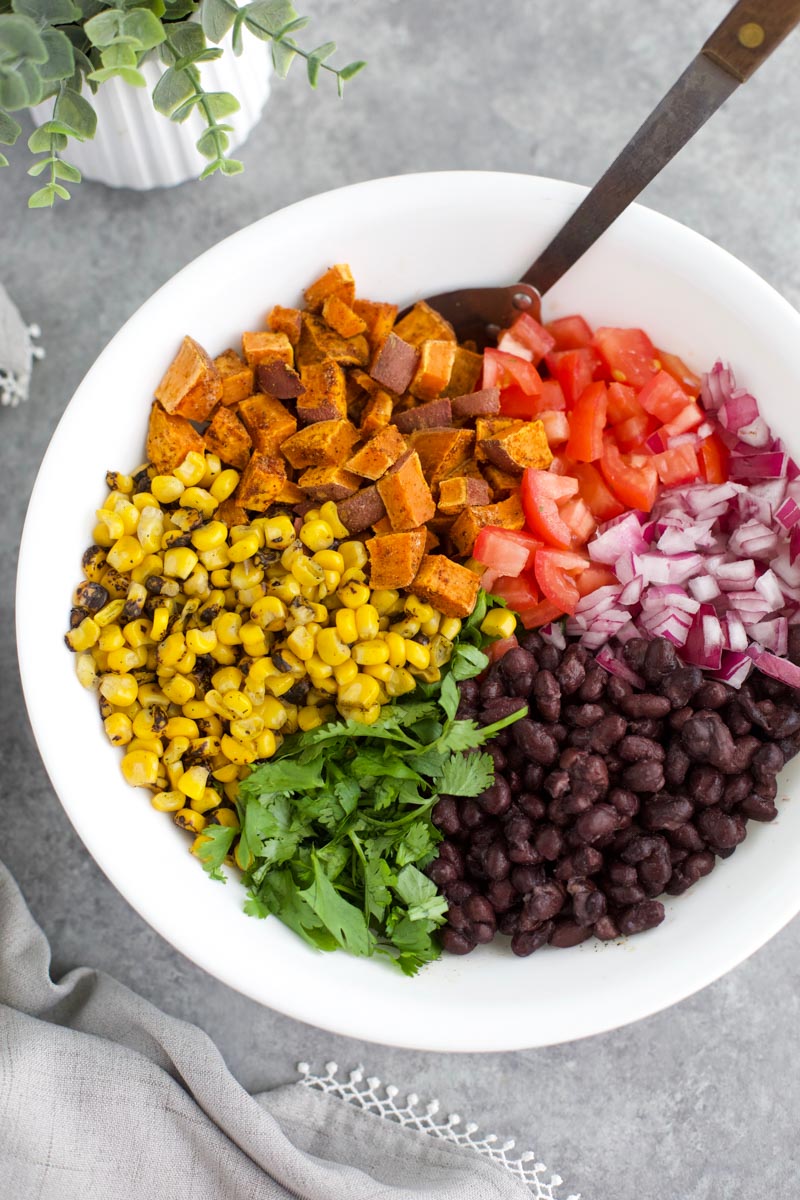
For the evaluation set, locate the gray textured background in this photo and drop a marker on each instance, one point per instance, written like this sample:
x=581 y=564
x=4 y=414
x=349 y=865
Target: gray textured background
x=700 y=1101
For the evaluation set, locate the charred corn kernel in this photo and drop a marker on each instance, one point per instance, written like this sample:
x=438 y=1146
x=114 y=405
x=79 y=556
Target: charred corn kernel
x=125 y=659
x=499 y=623
x=265 y=744
x=364 y=716
x=431 y=674
x=181 y=727
x=441 y=650
x=179 y=562
x=397 y=649
x=329 y=512
x=149 y=722
x=407 y=628
x=317 y=535
x=236 y=704
x=361 y=693
x=93 y=563
x=223 y=816
x=301 y=643
x=176 y=749
x=216 y=559
x=269 y=613
x=151 y=564
x=125 y=554
x=228 y=679
x=308 y=718
x=279 y=685
x=354 y=575
x=259 y=671
x=382 y=599
x=111 y=638
x=137 y=633
x=118 y=729
x=179 y=689
x=116 y=584
x=224 y=655
x=197 y=584
x=200 y=500
x=119 y=690
x=166 y=488
x=192 y=782
x=172 y=650
x=226 y=627
x=241 y=753
x=192 y=469
x=346 y=628
x=225 y=484
x=380 y=671
x=287 y=662
x=160 y=622
x=287 y=589
x=210 y=726
x=371 y=652
x=226 y=774
x=208 y=799
x=150 y=529
x=417 y=608
x=213 y=699
x=244 y=548
x=201 y=641
x=329 y=560
x=150 y=694
x=253 y=639
x=353 y=594
x=246 y=728
x=272 y=713
x=367 y=622
x=431 y=627
x=417 y=656
x=191 y=821
x=209 y=537
x=345 y=672
x=450 y=628
x=278 y=532
x=111 y=524
x=140 y=768
x=318 y=670
x=167 y=801
x=213 y=468
x=120 y=482
x=401 y=683
x=331 y=646
x=307 y=572
x=86 y=670
x=327 y=687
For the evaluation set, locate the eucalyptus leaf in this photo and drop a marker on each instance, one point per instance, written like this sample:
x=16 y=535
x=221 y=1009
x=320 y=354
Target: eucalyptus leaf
x=144 y=27
x=187 y=39
x=231 y=166
x=13 y=92
x=221 y=104
x=103 y=29
x=74 y=110
x=44 y=198
x=129 y=75
x=40 y=165
x=351 y=69
x=283 y=56
x=211 y=144
x=60 y=55
x=217 y=18
x=3 y=160
x=172 y=89
x=9 y=129
x=65 y=170
x=119 y=55
x=60 y=191
x=28 y=74
x=48 y=12
x=20 y=38
x=271 y=15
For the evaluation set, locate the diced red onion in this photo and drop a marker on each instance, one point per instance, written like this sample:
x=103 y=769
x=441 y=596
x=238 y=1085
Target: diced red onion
x=624 y=536
x=785 y=567
x=615 y=666
x=632 y=592
x=704 y=588
x=705 y=642
x=768 y=587
x=554 y=634
x=772 y=635
x=734 y=668
x=733 y=576
x=778 y=668
x=788 y=514
x=674 y=568
x=735 y=632
x=768 y=465
x=738 y=410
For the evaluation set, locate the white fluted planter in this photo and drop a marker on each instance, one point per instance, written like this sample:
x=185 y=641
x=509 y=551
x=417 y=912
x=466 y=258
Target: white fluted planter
x=136 y=147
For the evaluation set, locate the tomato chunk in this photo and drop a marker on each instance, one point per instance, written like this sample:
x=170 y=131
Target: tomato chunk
x=574 y=370
x=622 y=403
x=495 y=650
x=540 y=492
x=504 y=550
x=688 y=418
x=627 y=353
x=586 y=424
x=632 y=479
x=556 y=426
x=595 y=576
x=554 y=573
x=534 y=337
x=520 y=592
x=677 y=466
x=501 y=370
x=714 y=460
x=602 y=503
x=542 y=614
x=678 y=369
x=663 y=397
x=570 y=333
x=514 y=402
x=577 y=516
x=631 y=434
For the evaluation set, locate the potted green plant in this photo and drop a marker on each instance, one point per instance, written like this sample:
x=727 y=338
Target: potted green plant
x=85 y=68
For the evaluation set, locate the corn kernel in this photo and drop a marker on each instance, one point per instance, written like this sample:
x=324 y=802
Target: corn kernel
x=200 y=500
x=253 y=640
x=407 y=628
x=210 y=536
x=417 y=656
x=111 y=524
x=362 y=692
x=329 y=560
x=241 y=753
x=279 y=685
x=441 y=650
x=208 y=799
x=245 y=547
x=272 y=713
x=119 y=690
x=216 y=559
x=246 y=728
x=288 y=589
x=308 y=718
x=137 y=633
x=181 y=727
x=353 y=594
x=179 y=689
x=124 y=659
x=83 y=636
x=140 y=768
x=167 y=801
x=191 y=821
x=499 y=623
x=86 y=670
x=192 y=469
x=227 y=774
x=166 y=488
x=381 y=671
x=307 y=572
x=192 y=782
x=224 y=655
x=450 y=628
x=370 y=653
x=126 y=553
x=278 y=532
x=364 y=716
x=301 y=643
x=118 y=729
x=431 y=627
x=269 y=613
x=226 y=627
x=331 y=647
x=179 y=562
x=317 y=535
x=224 y=816
x=225 y=484
x=329 y=512
x=236 y=704
x=265 y=744
x=367 y=622
x=401 y=683
x=201 y=641
x=213 y=468
x=345 y=672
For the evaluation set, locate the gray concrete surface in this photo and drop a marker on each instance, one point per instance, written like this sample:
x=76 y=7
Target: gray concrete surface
x=699 y=1103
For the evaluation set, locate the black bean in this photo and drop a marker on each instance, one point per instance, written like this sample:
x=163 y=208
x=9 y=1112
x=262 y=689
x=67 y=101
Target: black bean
x=567 y=933
x=459 y=891
x=637 y=918
x=659 y=660
x=597 y=823
x=621 y=894
x=532 y=805
x=756 y=808
x=767 y=761
x=721 y=830
x=502 y=895
x=549 y=843
x=679 y=718
x=647 y=727
x=738 y=723
x=535 y=741
x=455 y=941
x=635 y=749
x=499 y=708
x=497 y=863
x=607 y=732
x=584 y=715
x=712 y=694
x=546 y=694
x=524 y=854
x=588 y=905
x=606 y=929
x=647 y=776
x=686 y=837
x=478 y=908
x=593 y=685
x=680 y=685
x=666 y=813
x=445 y=815
x=496 y=799
x=570 y=673
x=508 y=922
x=622 y=874
x=525 y=879
x=644 y=704
x=676 y=765
x=635 y=652
x=523 y=944
x=705 y=785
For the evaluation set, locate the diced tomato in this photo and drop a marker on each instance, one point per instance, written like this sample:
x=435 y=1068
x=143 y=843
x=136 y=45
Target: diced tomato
x=714 y=460
x=577 y=516
x=688 y=418
x=516 y=403
x=633 y=479
x=552 y=396
x=622 y=403
x=541 y=490
x=520 y=592
x=586 y=424
x=501 y=370
x=554 y=574
x=595 y=576
x=627 y=353
x=542 y=614
x=631 y=434
x=506 y=551
x=602 y=503
x=528 y=332
x=678 y=369
x=495 y=650
x=570 y=333
x=663 y=397
x=509 y=345
x=556 y=427
x=574 y=370
x=677 y=466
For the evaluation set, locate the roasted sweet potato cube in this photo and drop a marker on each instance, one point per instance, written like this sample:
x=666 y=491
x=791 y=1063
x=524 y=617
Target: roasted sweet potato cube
x=363 y=509
x=328 y=483
x=261 y=482
x=236 y=376
x=446 y=585
x=466 y=527
x=192 y=384
x=423 y=324
x=406 y=494
x=394 y=364
x=515 y=449
x=286 y=320
x=458 y=491
x=169 y=439
x=264 y=346
x=431 y=540
x=441 y=451
x=379 y=453
x=336 y=281
x=489 y=427
x=467 y=370
x=501 y=482
x=267 y=421
x=433 y=370
x=279 y=380
x=318 y=342
x=382 y=526
x=376 y=414
x=227 y=437
x=379 y=319
x=341 y=317
x=433 y=415
x=231 y=512
x=394 y=558
x=325 y=395
x=323 y=444
x=485 y=403
x=290 y=493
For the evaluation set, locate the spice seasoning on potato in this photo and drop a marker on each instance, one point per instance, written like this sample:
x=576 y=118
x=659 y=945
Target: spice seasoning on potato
x=485 y=403
x=467 y=370
x=324 y=395
x=191 y=385
x=325 y=443
x=263 y=346
x=267 y=421
x=446 y=585
x=394 y=364
x=227 y=437
x=379 y=319
x=328 y=483
x=395 y=558
x=286 y=320
x=261 y=482
x=516 y=449
x=441 y=451
x=341 y=318
x=458 y=491
x=236 y=376
x=406 y=494
x=336 y=281
x=278 y=380
x=169 y=439
x=377 y=413
x=378 y=454
x=433 y=370
x=423 y=324
x=507 y=514
x=362 y=510
x=433 y=415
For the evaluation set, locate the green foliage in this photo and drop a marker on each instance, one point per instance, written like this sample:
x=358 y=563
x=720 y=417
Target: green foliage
x=64 y=49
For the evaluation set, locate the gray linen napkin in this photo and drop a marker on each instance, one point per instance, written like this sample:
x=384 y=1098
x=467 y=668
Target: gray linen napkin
x=104 y=1096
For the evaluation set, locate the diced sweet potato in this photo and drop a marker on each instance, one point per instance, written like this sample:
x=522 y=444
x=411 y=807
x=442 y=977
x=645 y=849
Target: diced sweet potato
x=263 y=346
x=441 y=451
x=485 y=403
x=380 y=453
x=328 y=483
x=231 y=512
x=341 y=317
x=394 y=558
x=458 y=491
x=433 y=371
x=192 y=384
x=382 y=526
x=318 y=342
x=515 y=449
x=279 y=380
x=466 y=527
x=501 y=482
x=261 y=482
x=379 y=319
x=363 y=509
x=431 y=540
x=290 y=493
x=394 y=364
x=446 y=585
x=169 y=439
x=377 y=413
x=285 y=320
x=268 y=422
x=236 y=376
x=423 y=324
x=323 y=444
x=406 y=494
x=467 y=370
x=325 y=394
x=336 y=281
x=227 y=437
x=433 y=415
x=489 y=427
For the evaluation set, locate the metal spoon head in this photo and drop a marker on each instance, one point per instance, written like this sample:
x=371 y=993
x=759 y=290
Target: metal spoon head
x=478 y=314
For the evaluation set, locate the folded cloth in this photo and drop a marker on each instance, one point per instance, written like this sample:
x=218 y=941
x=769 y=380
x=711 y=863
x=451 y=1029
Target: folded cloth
x=104 y=1096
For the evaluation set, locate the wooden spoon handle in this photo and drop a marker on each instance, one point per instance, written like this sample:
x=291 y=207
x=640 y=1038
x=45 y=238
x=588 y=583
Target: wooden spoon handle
x=749 y=34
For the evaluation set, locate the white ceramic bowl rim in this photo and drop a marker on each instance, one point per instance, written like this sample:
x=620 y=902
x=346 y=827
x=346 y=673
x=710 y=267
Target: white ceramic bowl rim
x=488 y=1001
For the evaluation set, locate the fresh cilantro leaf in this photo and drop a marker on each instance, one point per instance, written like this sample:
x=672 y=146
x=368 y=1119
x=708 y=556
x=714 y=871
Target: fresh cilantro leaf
x=279 y=894
x=449 y=695
x=418 y=844
x=377 y=879
x=215 y=846
x=467 y=662
x=283 y=775
x=254 y=907
x=342 y=920
x=466 y=774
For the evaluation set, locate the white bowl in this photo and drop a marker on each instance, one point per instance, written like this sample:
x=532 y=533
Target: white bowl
x=404 y=237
